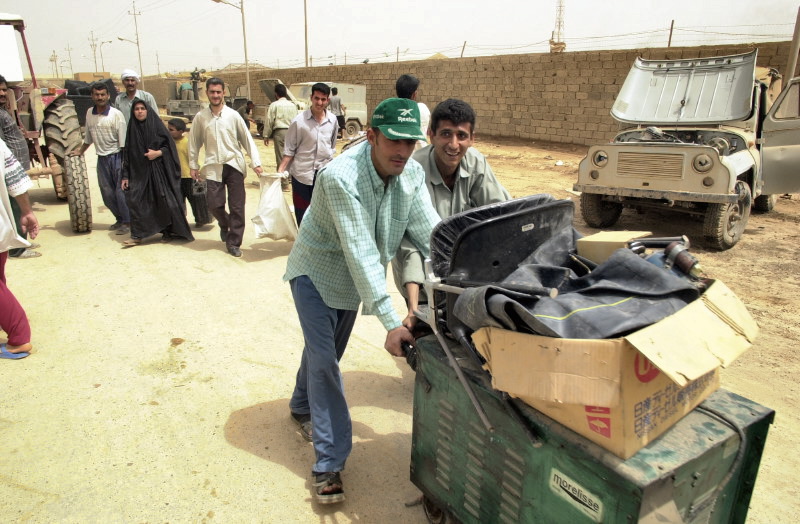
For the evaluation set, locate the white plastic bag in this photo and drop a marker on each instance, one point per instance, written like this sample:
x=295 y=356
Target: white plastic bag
x=274 y=219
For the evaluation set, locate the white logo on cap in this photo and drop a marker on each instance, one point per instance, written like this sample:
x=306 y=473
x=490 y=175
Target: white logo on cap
x=405 y=112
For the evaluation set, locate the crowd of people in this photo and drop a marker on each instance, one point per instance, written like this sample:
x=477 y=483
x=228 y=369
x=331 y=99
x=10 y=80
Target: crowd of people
x=375 y=203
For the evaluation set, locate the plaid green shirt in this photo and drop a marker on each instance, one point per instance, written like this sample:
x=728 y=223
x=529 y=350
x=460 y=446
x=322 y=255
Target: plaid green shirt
x=353 y=229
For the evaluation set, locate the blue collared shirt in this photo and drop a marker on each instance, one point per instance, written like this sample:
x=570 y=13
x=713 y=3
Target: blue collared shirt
x=353 y=229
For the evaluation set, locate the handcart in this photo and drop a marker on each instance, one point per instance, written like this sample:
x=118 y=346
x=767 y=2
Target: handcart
x=479 y=456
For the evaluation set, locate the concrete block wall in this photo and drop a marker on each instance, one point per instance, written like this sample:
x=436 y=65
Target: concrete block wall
x=563 y=97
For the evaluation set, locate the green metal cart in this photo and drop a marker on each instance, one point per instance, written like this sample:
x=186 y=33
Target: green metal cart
x=531 y=469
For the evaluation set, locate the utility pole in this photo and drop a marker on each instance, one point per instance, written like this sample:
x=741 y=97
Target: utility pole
x=158 y=65
x=305 y=16
x=54 y=59
x=69 y=54
x=671 y=26
x=138 y=47
x=557 y=44
x=93 y=45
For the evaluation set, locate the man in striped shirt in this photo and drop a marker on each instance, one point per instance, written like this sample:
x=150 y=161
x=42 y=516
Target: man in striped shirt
x=11 y=134
x=106 y=129
x=365 y=202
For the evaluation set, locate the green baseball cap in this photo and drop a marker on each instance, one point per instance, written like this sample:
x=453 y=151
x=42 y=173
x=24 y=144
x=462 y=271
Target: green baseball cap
x=398 y=119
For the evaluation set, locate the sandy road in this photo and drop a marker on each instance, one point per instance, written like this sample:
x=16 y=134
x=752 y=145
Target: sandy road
x=159 y=390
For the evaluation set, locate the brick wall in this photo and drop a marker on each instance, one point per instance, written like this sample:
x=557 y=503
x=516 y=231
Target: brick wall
x=554 y=97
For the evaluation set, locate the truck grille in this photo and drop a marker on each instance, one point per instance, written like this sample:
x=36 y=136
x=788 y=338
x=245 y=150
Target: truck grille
x=645 y=165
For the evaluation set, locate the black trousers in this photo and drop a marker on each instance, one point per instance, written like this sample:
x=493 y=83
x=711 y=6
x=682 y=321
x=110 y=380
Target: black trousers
x=232 y=219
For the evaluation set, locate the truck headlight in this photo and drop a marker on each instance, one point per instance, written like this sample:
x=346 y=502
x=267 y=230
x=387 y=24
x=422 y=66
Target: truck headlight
x=702 y=163
x=600 y=158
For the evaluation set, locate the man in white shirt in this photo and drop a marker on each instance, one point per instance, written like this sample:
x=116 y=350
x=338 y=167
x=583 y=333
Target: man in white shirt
x=222 y=132
x=310 y=145
x=106 y=129
x=407 y=87
x=124 y=101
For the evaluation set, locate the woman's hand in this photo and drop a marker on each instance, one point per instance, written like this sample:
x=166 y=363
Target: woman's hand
x=153 y=154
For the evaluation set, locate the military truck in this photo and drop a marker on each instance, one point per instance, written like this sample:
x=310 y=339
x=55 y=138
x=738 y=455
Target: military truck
x=700 y=136
x=46 y=113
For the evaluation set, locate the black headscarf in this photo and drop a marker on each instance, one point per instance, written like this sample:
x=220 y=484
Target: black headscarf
x=151 y=133
x=154 y=194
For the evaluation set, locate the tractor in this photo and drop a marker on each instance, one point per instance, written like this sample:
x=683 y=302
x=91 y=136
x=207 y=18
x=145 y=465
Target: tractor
x=47 y=113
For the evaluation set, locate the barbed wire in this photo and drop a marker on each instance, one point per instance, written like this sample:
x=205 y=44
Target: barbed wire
x=657 y=37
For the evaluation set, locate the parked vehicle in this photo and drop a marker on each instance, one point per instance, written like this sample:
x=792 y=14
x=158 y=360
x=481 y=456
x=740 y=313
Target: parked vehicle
x=49 y=114
x=186 y=103
x=703 y=137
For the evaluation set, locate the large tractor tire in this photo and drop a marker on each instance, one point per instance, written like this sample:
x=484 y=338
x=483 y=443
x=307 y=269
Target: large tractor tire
x=724 y=224
x=597 y=212
x=78 y=198
x=62 y=135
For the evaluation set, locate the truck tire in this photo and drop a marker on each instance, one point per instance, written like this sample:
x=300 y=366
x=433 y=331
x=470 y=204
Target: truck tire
x=597 y=212
x=724 y=224
x=62 y=131
x=352 y=128
x=764 y=203
x=78 y=199
x=62 y=135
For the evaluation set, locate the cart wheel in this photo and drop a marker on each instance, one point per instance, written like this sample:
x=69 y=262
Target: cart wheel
x=435 y=514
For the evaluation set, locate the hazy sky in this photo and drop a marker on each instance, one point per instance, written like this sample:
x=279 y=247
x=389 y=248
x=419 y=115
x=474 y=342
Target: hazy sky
x=179 y=35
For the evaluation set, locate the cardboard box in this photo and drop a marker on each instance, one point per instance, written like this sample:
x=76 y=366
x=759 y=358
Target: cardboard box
x=623 y=393
x=598 y=247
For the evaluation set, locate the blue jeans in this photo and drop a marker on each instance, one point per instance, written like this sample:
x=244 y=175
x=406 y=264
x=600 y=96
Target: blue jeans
x=319 y=389
x=109 y=177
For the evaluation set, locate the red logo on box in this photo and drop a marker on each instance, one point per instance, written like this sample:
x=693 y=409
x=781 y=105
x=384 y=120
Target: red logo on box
x=644 y=369
x=599 y=424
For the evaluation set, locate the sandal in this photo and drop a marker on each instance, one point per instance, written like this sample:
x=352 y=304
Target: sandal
x=28 y=253
x=328 y=487
x=304 y=423
x=132 y=242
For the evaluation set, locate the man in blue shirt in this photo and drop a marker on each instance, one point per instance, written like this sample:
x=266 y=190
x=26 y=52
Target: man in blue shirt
x=364 y=202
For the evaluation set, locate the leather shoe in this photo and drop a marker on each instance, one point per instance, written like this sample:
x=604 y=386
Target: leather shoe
x=235 y=251
x=223 y=234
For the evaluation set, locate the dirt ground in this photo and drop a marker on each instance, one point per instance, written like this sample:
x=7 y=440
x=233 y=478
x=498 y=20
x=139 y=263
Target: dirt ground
x=159 y=388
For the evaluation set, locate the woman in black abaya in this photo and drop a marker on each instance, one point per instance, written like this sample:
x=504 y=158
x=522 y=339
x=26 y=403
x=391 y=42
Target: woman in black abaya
x=151 y=177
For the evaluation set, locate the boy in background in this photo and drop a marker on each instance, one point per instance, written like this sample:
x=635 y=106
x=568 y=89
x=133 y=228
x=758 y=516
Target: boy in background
x=197 y=201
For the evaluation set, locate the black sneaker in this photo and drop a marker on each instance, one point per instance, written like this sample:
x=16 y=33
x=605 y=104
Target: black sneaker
x=235 y=251
x=223 y=234
x=304 y=423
